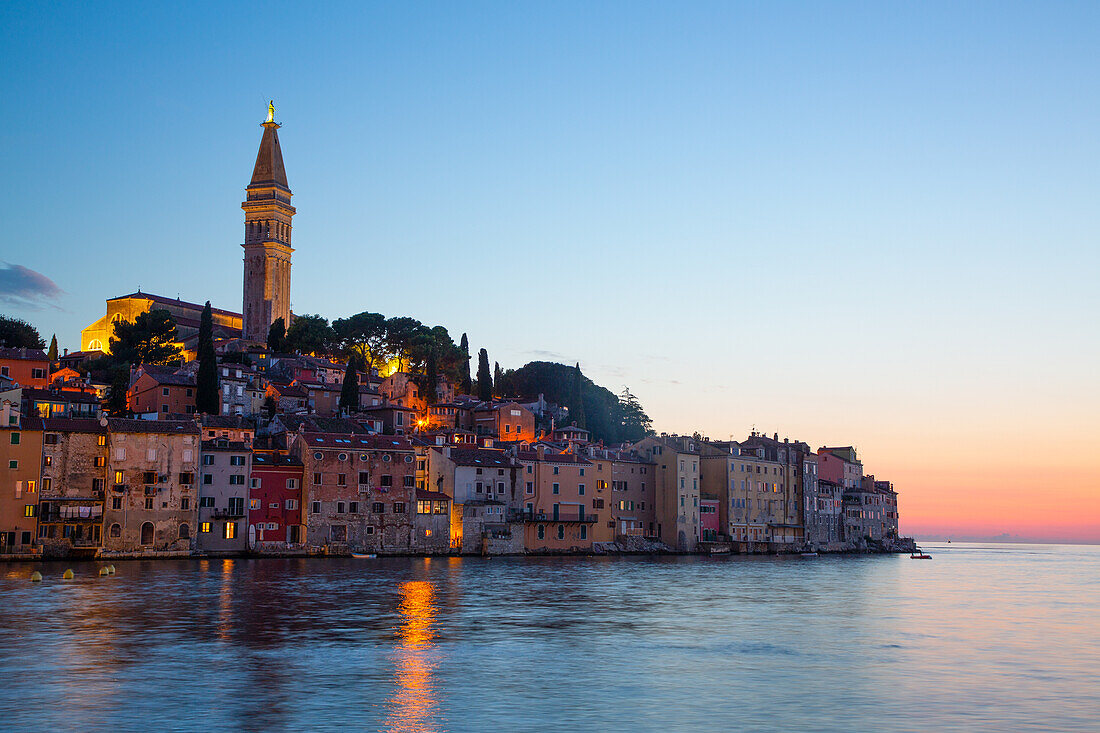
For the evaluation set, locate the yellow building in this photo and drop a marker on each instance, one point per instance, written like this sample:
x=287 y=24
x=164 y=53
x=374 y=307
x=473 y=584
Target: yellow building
x=97 y=336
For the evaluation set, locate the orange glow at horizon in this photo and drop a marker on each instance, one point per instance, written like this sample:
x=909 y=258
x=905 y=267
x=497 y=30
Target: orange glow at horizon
x=413 y=706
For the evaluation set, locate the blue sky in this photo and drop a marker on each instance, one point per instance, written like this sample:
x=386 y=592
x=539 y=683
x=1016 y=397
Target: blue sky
x=846 y=222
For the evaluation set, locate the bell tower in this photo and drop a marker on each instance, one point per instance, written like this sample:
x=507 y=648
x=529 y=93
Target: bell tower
x=267 y=226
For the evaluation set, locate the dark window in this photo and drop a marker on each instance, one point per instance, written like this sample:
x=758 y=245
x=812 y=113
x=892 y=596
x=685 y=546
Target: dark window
x=399 y=507
x=378 y=507
x=386 y=480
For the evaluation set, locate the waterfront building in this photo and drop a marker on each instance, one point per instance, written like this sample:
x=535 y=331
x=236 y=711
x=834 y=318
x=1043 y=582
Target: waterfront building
x=223 y=493
x=827 y=519
x=791 y=455
x=20 y=473
x=152 y=500
x=275 y=502
x=432 y=523
x=73 y=488
x=840 y=465
x=708 y=519
x=359 y=490
x=751 y=492
x=676 y=459
x=267 y=237
x=624 y=495
x=557 y=491
x=24 y=367
x=481 y=482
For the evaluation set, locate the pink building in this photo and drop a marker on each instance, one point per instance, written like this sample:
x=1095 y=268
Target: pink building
x=708 y=520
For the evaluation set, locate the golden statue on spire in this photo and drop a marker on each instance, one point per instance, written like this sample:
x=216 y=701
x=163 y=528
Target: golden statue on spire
x=271 y=111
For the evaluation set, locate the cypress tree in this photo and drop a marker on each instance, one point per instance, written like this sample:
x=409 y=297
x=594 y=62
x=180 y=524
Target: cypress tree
x=276 y=335
x=52 y=353
x=349 y=391
x=206 y=391
x=467 y=382
x=576 y=414
x=497 y=384
x=431 y=394
x=484 y=378
x=116 y=397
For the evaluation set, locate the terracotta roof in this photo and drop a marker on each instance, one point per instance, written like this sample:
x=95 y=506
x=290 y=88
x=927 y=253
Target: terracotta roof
x=9 y=352
x=161 y=300
x=226 y=421
x=353 y=441
x=73 y=425
x=55 y=395
x=274 y=460
x=554 y=457
x=478 y=457
x=171 y=427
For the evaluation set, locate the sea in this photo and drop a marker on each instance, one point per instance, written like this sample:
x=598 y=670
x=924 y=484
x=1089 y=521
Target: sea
x=982 y=637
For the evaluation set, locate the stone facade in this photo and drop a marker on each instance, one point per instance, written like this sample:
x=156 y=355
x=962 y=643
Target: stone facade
x=677 y=476
x=74 y=480
x=360 y=491
x=152 y=495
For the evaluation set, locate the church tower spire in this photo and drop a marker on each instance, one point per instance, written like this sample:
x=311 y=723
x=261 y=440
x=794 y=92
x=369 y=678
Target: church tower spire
x=267 y=227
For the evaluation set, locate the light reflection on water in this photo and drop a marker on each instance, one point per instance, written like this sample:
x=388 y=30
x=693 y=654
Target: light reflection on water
x=980 y=638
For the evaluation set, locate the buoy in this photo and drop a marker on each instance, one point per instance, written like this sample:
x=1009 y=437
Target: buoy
x=104 y=571
x=68 y=574
x=36 y=577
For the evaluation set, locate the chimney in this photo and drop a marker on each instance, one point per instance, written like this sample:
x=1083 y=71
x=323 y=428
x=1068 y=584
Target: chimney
x=447 y=451
x=776 y=438
x=542 y=452
x=66 y=352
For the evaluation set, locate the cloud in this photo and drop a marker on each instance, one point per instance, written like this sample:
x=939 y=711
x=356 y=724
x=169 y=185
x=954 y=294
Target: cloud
x=545 y=354
x=21 y=286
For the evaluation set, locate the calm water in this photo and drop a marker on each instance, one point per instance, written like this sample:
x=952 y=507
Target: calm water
x=996 y=637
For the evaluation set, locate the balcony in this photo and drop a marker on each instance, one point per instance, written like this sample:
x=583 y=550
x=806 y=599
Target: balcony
x=523 y=515
x=227 y=513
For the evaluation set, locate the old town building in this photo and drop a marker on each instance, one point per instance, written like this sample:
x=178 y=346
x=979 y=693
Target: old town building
x=359 y=490
x=73 y=488
x=97 y=336
x=676 y=460
x=24 y=367
x=152 y=468
x=481 y=483
x=223 y=496
x=20 y=473
x=556 y=502
x=275 y=502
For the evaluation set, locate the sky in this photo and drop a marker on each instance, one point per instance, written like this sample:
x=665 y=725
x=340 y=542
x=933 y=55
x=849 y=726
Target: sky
x=869 y=224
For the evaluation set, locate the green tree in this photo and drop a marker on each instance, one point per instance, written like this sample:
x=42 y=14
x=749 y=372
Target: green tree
x=431 y=377
x=276 y=336
x=484 y=378
x=16 y=333
x=349 y=390
x=52 y=353
x=633 y=419
x=576 y=404
x=117 y=404
x=310 y=334
x=497 y=379
x=271 y=406
x=365 y=335
x=206 y=381
x=401 y=333
x=467 y=384
x=150 y=339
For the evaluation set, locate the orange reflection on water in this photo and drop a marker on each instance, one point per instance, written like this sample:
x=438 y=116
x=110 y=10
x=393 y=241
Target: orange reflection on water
x=413 y=705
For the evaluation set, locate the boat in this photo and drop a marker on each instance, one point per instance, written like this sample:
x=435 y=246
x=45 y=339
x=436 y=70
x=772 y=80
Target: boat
x=364 y=555
x=809 y=554
x=919 y=554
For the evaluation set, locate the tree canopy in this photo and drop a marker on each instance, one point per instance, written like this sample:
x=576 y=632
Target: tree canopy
x=149 y=339
x=606 y=416
x=17 y=333
x=310 y=334
x=276 y=335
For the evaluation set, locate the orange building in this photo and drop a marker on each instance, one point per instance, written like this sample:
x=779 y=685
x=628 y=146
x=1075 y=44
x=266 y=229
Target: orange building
x=25 y=367
x=557 y=496
x=162 y=390
x=508 y=421
x=20 y=474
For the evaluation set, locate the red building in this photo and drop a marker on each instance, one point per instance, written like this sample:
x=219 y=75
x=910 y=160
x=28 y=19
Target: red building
x=275 y=502
x=163 y=390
